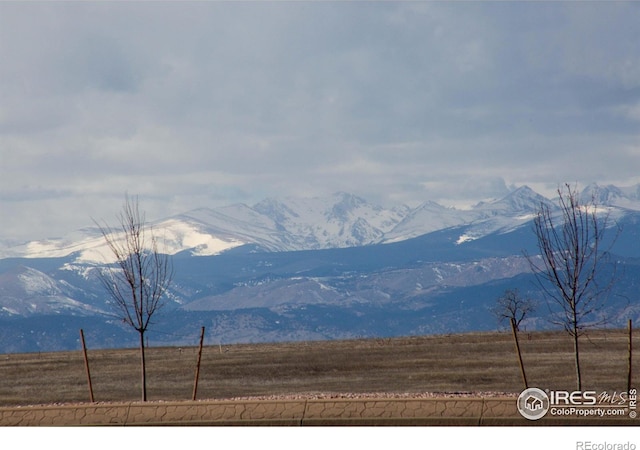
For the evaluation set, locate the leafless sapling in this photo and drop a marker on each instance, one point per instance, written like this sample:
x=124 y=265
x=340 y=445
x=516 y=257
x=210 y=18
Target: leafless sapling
x=571 y=257
x=140 y=276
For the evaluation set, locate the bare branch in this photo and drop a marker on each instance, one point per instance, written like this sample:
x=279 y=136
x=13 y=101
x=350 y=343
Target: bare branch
x=513 y=306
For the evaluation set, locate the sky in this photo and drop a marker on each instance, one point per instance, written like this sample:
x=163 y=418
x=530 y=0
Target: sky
x=205 y=104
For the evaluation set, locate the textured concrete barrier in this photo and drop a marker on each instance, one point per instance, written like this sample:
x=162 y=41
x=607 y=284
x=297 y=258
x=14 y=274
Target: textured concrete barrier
x=312 y=412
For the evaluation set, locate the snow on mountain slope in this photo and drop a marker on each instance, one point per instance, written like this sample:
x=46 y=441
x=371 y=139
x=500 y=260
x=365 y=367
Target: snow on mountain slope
x=341 y=220
x=613 y=196
x=522 y=201
x=25 y=291
x=235 y=223
x=509 y=212
x=83 y=240
x=89 y=247
x=427 y=218
x=336 y=221
x=175 y=236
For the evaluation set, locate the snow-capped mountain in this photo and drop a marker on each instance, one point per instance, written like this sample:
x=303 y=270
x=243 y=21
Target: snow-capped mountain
x=341 y=220
x=291 y=224
x=306 y=268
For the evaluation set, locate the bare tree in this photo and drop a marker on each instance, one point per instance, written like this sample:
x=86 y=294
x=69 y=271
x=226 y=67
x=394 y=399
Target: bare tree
x=513 y=306
x=571 y=256
x=140 y=275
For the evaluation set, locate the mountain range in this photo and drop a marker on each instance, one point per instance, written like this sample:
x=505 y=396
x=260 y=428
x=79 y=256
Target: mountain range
x=308 y=268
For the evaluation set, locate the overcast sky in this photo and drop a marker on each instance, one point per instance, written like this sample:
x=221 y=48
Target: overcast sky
x=205 y=104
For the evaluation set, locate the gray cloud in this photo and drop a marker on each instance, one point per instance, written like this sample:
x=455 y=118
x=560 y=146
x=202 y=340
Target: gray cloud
x=208 y=103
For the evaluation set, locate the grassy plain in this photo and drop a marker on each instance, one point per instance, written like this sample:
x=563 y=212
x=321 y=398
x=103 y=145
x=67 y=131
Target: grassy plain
x=473 y=362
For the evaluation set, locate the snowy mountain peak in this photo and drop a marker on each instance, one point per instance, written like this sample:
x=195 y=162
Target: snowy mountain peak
x=346 y=205
x=338 y=220
x=520 y=201
x=275 y=209
x=602 y=195
x=612 y=196
x=430 y=205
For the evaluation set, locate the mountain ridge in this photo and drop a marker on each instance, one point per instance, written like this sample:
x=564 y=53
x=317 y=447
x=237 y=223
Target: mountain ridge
x=336 y=221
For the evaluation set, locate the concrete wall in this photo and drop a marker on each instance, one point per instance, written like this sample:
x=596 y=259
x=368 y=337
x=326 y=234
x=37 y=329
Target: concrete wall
x=401 y=412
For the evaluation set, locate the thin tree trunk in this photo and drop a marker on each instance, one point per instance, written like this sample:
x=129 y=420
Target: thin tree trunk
x=577 y=354
x=144 y=367
x=575 y=334
x=195 y=382
x=86 y=365
x=515 y=338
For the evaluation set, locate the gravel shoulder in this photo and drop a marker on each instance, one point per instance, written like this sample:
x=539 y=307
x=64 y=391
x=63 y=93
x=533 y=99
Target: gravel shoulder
x=306 y=396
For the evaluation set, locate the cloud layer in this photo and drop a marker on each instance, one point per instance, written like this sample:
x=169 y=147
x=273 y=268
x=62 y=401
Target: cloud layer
x=208 y=103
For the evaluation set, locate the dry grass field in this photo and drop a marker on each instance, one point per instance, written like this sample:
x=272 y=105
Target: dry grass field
x=474 y=362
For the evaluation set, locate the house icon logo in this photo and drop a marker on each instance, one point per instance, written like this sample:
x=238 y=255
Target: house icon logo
x=533 y=403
